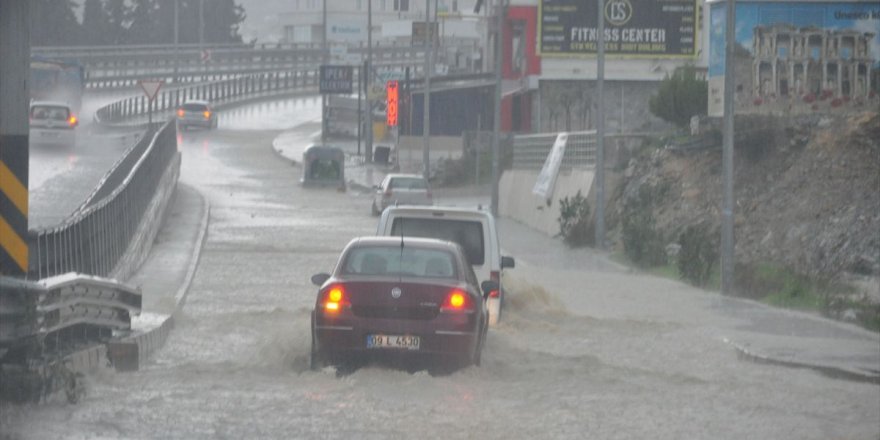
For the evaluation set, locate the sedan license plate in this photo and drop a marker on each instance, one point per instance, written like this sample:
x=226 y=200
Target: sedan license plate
x=393 y=341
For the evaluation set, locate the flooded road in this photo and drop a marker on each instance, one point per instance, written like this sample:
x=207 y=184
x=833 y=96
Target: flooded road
x=587 y=349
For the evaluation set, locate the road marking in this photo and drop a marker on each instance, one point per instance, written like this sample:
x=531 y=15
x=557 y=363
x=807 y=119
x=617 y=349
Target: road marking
x=13 y=189
x=13 y=244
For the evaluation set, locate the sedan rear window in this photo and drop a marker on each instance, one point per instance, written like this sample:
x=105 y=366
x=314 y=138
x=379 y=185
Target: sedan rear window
x=394 y=261
x=53 y=112
x=468 y=234
x=191 y=107
x=408 y=183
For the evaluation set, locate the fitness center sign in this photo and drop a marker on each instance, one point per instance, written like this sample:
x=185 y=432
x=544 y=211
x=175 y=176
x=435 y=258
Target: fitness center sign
x=639 y=28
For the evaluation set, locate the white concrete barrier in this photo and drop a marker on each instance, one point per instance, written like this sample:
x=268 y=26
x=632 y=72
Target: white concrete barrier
x=517 y=202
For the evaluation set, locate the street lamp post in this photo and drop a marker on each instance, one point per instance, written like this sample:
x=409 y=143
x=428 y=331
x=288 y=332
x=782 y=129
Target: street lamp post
x=727 y=249
x=600 y=130
x=426 y=125
x=176 y=40
x=368 y=143
x=324 y=124
x=496 y=121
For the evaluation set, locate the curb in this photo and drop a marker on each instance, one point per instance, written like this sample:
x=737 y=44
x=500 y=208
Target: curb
x=130 y=353
x=828 y=370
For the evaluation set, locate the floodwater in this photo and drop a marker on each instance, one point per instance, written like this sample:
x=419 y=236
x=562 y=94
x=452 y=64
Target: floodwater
x=586 y=348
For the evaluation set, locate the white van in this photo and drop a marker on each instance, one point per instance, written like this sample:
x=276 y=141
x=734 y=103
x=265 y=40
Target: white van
x=52 y=123
x=473 y=229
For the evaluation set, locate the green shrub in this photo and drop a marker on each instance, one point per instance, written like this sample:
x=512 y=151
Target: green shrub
x=574 y=220
x=642 y=243
x=698 y=254
x=680 y=96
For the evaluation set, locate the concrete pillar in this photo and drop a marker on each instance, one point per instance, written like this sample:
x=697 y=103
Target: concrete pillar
x=14 y=73
x=774 y=78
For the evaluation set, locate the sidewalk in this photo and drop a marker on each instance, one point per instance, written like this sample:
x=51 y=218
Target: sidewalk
x=165 y=277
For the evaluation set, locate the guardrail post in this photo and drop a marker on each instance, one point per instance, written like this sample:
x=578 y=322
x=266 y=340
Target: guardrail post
x=79 y=246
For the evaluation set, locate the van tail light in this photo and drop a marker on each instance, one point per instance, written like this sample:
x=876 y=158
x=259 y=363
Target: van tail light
x=457 y=301
x=72 y=121
x=495 y=276
x=387 y=194
x=430 y=194
x=207 y=115
x=180 y=113
x=334 y=299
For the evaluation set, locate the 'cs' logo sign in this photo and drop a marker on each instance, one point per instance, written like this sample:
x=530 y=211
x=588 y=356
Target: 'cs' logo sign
x=618 y=12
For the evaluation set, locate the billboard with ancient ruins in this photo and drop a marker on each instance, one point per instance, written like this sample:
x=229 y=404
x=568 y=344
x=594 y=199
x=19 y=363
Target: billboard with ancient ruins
x=798 y=56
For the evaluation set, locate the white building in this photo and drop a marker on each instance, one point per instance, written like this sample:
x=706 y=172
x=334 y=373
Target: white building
x=392 y=20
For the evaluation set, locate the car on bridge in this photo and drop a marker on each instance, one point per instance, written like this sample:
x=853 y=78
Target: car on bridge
x=196 y=114
x=52 y=123
x=400 y=297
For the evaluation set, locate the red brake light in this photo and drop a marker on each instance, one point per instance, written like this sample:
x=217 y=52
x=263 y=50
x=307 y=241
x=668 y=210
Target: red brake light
x=334 y=299
x=457 y=300
x=180 y=113
x=495 y=276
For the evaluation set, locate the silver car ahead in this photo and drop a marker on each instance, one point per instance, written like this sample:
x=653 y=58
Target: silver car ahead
x=401 y=189
x=196 y=114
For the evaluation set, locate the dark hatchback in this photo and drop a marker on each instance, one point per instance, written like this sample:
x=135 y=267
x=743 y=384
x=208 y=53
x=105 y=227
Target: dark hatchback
x=392 y=297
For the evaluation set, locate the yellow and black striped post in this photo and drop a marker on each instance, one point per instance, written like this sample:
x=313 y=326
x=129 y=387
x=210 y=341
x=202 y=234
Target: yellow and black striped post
x=14 y=72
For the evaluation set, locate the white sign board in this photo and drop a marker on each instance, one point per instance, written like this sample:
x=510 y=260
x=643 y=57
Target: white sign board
x=376 y=91
x=390 y=75
x=151 y=87
x=338 y=50
x=546 y=182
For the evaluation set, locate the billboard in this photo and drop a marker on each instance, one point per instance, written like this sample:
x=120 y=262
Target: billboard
x=633 y=28
x=336 y=79
x=797 y=56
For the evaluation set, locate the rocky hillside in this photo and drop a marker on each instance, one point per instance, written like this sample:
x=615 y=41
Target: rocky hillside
x=807 y=193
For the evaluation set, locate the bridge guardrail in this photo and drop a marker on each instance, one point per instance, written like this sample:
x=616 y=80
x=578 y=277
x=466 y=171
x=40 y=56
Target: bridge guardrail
x=122 y=66
x=95 y=240
x=228 y=89
x=39 y=315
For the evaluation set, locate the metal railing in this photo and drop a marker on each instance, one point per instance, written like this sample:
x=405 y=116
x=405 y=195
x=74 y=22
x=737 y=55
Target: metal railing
x=123 y=66
x=225 y=90
x=95 y=238
x=63 y=310
x=531 y=150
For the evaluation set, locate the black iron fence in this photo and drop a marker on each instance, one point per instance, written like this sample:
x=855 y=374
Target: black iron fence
x=96 y=237
x=218 y=91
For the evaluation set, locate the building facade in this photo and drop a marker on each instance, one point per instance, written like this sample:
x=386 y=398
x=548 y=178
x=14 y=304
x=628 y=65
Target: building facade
x=810 y=61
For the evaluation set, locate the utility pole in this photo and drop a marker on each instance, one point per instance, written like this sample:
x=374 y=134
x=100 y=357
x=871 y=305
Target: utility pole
x=600 y=130
x=176 y=40
x=202 y=34
x=368 y=144
x=201 y=24
x=14 y=156
x=496 y=120
x=429 y=65
x=324 y=121
x=727 y=244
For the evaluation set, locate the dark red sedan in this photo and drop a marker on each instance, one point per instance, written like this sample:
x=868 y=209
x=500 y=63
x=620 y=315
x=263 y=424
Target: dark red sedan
x=392 y=296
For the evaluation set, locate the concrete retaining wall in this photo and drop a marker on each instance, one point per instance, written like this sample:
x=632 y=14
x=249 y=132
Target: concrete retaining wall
x=516 y=201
